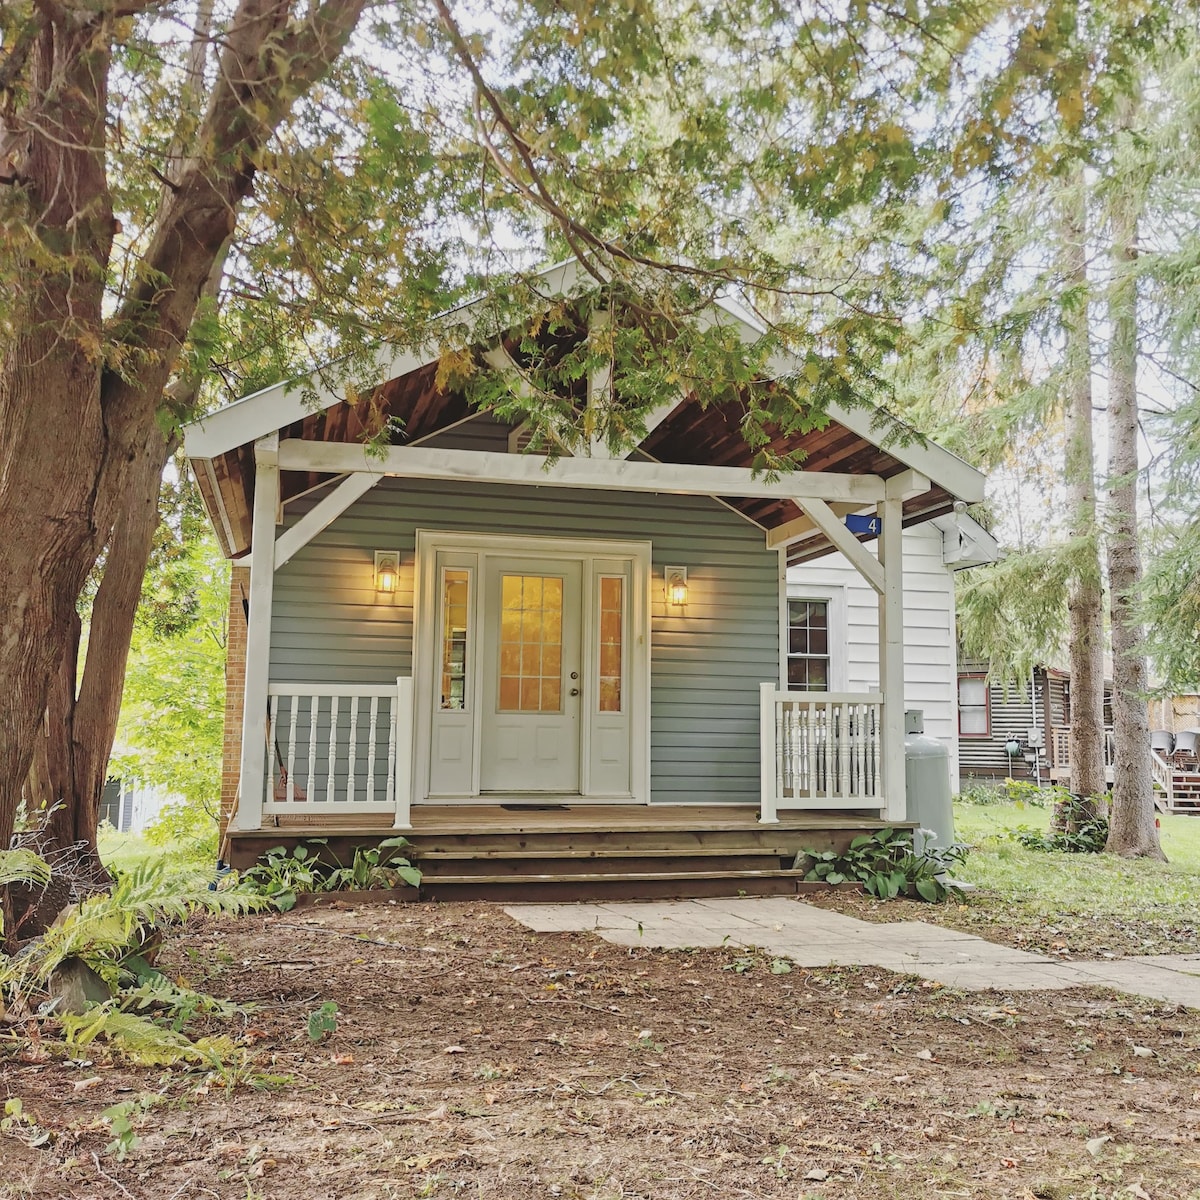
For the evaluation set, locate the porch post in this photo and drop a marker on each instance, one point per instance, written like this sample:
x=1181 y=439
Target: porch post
x=258 y=634
x=891 y=656
x=404 y=752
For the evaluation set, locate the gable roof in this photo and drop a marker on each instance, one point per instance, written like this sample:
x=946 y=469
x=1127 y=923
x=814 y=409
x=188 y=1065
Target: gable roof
x=221 y=445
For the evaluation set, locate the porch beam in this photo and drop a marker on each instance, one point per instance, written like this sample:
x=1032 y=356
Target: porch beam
x=891 y=656
x=318 y=519
x=907 y=484
x=804 y=526
x=827 y=521
x=618 y=475
x=252 y=775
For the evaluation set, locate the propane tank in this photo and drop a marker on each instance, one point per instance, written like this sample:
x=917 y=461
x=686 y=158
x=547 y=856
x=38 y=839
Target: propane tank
x=927 y=783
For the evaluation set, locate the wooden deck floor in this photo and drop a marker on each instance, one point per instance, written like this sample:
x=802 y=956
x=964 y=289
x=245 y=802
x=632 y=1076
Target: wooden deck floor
x=534 y=818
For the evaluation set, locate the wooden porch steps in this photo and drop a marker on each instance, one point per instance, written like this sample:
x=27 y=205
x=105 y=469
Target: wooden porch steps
x=626 y=852
x=615 y=885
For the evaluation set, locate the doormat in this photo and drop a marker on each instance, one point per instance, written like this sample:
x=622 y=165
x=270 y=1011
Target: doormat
x=535 y=807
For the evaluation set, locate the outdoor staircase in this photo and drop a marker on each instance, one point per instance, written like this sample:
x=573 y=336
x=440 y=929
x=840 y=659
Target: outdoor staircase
x=1185 y=792
x=651 y=863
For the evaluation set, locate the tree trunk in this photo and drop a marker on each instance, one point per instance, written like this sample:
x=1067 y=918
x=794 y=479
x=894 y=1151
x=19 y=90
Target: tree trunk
x=1085 y=602
x=1133 y=830
x=72 y=430
x=70 y=765
x=52 y=432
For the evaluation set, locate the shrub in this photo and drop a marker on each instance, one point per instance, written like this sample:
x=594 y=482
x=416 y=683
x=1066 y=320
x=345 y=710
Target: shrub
x=886 y=864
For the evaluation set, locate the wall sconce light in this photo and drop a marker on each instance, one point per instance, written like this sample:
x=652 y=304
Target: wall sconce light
x=387 y=572
x=677 y=585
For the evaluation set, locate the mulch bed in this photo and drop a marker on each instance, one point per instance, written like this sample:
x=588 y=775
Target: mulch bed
x=473 y=1058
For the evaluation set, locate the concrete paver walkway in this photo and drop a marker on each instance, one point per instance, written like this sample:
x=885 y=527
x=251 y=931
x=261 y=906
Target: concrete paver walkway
x=816 y=937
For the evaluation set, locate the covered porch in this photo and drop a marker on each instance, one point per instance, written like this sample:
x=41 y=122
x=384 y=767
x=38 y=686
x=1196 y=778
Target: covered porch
x=663 y=689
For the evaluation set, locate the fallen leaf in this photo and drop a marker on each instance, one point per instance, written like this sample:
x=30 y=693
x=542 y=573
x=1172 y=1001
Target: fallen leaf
x=341 y=1060
x=1142 y=1052
x=1095 y=1145
x=454 y=1050
x=927 y=1055
x=1136 y=1189
x=817 y=1174
x=82 y=1085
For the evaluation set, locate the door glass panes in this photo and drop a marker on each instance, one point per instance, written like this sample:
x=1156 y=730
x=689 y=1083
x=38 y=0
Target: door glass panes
x=808 y=645
x=612 y=598
x=531 y=628
x=455 y=588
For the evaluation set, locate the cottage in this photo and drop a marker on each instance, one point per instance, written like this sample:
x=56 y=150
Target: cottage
x=573 y=673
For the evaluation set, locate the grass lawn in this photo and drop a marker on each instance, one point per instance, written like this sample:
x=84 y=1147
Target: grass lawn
x=1091 y=902
x=124 y=851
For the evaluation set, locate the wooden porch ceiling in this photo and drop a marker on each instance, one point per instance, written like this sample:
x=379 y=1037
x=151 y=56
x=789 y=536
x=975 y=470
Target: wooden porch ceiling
x=418 y=408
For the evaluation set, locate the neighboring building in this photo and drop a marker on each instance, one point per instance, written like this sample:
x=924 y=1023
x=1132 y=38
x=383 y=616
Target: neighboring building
x=130 y=807
x=456 y=639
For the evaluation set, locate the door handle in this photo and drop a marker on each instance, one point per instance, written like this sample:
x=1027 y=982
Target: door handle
x=573 y=692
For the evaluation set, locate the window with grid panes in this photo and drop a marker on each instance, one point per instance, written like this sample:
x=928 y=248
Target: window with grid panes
x=808 y=665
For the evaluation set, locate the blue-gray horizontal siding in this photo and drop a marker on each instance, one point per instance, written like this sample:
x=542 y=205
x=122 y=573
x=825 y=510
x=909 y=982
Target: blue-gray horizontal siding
x=329 y=627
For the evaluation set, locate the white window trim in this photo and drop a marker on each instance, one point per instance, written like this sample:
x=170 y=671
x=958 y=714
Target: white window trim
x=834 y=595
x=426 y=651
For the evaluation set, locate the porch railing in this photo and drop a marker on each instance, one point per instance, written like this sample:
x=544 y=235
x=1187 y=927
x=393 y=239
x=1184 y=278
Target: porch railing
x=339 y=749
x=1060 y=747
x=820 y=750
x=1163 y=775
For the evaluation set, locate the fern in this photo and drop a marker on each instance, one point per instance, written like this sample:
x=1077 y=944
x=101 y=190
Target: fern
x=140 y=1040
x=105 y=929
x=23 y=866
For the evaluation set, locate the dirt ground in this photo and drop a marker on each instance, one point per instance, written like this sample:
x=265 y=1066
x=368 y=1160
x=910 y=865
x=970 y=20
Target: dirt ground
x=473 y=1058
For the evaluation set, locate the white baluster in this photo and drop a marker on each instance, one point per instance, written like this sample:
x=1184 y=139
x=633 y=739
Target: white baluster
x=390 y=794
x=314 y=712
x=780 y=749
x=844 y=745
x=353 y=750
x=875 y=751
x=271 y=750
x=333 y=724
x=293 y=708
x=795 y=749
x=371 y=749
x=813 y=751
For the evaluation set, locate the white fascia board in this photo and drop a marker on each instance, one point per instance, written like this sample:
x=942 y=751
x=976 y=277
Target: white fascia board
x=278 y=406
x=254 y=416
x=527 y=470
x=965 y=543
x=949 y=471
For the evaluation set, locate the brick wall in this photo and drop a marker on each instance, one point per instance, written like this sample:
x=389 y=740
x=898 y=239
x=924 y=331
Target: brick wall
x=235 y=685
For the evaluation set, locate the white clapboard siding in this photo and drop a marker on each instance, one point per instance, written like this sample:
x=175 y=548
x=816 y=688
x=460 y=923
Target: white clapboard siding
x=930 y=671
x=328 y=626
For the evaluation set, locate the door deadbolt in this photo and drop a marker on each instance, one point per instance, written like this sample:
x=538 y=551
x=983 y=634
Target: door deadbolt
x=574 y=674
x=574 y=692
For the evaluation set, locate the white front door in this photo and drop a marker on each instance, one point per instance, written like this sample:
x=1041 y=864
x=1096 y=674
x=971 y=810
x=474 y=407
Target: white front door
x=531 y=694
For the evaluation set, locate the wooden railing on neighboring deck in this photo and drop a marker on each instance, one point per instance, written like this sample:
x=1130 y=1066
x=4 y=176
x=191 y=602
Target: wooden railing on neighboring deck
x=339 y=749
x=820 y=750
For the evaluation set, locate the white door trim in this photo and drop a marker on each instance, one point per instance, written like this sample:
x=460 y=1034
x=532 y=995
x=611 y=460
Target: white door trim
x=431 y=542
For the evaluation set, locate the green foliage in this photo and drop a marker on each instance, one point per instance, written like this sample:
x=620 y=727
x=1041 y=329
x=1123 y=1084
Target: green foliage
x=1077 y=829
x=105 y=930
x=886 y=864
x=24 y=867
x=281 y=874
x=139 y=1039
x=322 y=1022
x=172 y=712
x=981 y=793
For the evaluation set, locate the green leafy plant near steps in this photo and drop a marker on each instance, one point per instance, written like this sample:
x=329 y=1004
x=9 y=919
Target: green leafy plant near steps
x=90 y=973
x=886 y=864
x=281 y=874
x=1081 y=831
